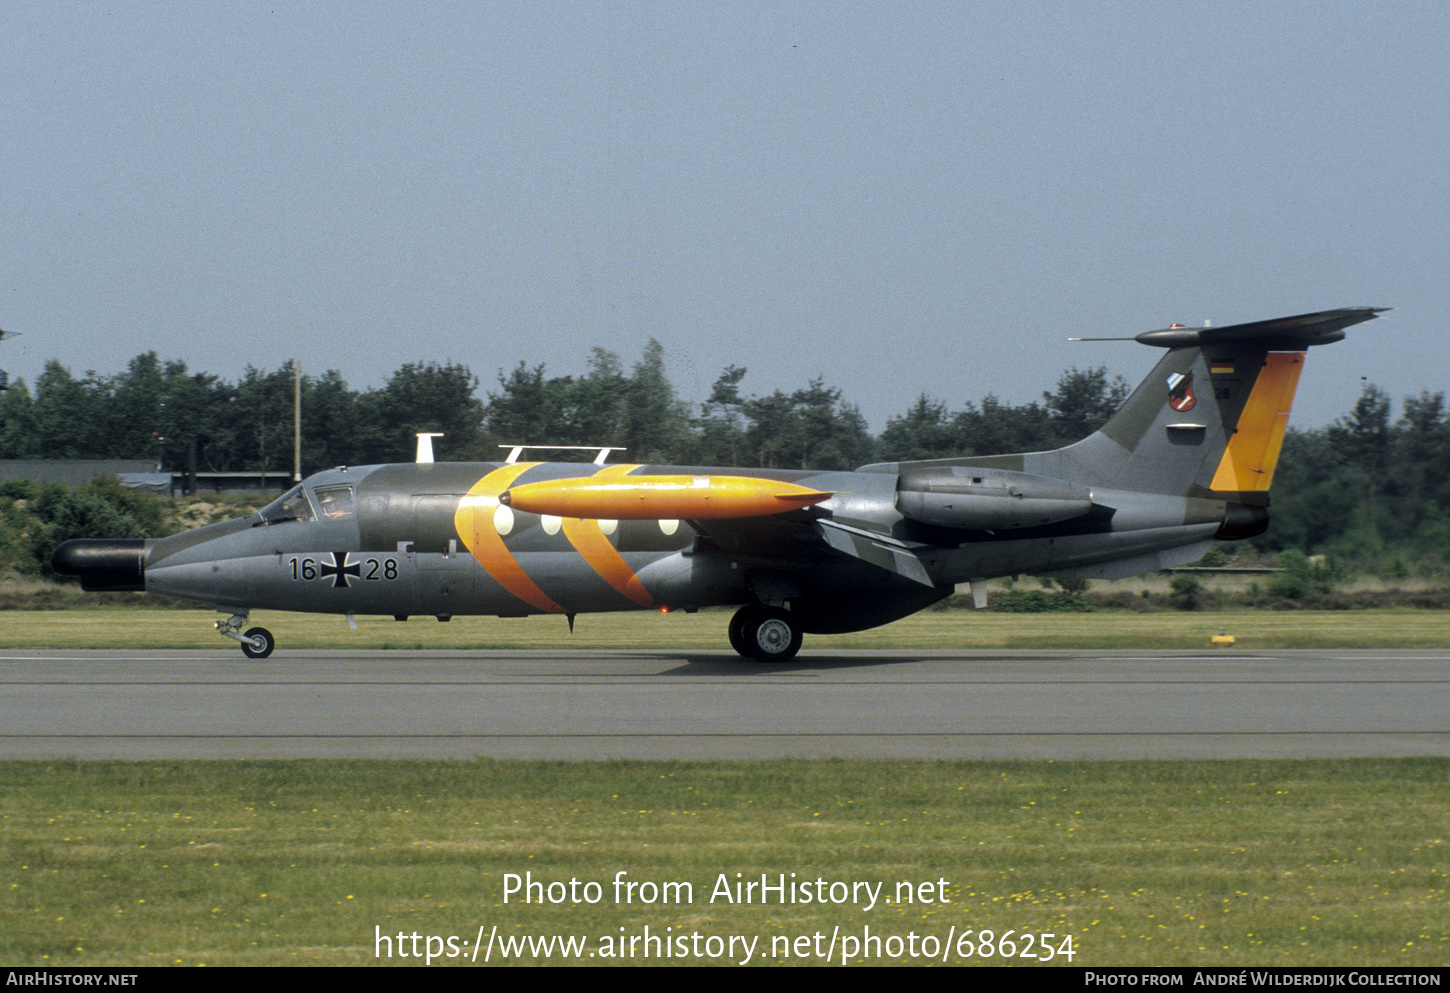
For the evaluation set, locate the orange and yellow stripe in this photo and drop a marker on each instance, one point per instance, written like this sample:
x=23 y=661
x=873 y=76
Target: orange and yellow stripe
x=475 y=521
x=1252 y=454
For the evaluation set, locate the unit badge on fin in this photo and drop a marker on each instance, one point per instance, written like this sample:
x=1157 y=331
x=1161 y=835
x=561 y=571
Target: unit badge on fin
x=1180 y=392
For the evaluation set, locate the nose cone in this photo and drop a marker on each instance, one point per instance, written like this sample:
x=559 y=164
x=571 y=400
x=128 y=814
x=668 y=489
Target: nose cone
x=114 y=564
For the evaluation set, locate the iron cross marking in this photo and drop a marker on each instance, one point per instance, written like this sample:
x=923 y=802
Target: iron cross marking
x=340 y=570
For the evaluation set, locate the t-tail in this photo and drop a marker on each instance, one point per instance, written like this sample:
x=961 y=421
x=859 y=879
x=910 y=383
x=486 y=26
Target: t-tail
x=1209 y=420
x=1206 y=425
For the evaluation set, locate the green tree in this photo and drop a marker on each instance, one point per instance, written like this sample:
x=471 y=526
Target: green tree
x=655 y=424
x=423 y=397
x=1083 y=402
x=522 y=412
x=194 y=411
x=1420 y=471
x=719 y=430
x=808 y=429
x=330 y=430
x=593 y=406
x=924 y=432
x=1363 y=436
x=1000 y=429
x=70 y=415
x=18 y=438
x=1363 y=441
x=261 y=420
x=136 y=411
x=834 y=434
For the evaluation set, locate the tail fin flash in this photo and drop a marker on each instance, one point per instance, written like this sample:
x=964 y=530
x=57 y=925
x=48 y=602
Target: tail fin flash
x=1253 y=450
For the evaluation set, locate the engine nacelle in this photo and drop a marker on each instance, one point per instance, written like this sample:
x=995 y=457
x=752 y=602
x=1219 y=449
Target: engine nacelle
x=987 y=499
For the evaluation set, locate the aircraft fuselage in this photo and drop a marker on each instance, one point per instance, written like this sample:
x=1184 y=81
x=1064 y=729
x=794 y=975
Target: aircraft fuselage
x=1189 y=458
x=434 y=539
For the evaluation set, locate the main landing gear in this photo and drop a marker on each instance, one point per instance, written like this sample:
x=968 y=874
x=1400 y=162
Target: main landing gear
x=257 y=643
x=765 y=634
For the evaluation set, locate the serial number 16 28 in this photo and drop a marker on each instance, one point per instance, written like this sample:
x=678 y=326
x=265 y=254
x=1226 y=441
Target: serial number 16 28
x=368 y=570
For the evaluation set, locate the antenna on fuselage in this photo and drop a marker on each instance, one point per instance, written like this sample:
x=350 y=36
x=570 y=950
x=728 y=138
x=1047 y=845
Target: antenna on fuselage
x=425 y=445
x=517 y=450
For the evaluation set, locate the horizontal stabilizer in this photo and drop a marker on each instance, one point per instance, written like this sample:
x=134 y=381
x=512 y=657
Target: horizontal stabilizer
x=1290 y=334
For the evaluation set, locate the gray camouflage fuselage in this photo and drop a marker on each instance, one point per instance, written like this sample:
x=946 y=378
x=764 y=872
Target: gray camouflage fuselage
x=1189 y=458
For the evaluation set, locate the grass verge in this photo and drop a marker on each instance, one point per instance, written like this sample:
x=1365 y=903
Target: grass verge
x=138 y=628
x=267 y=863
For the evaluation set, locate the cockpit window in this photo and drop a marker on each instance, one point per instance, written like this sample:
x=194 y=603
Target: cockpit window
x=335 y=501
x=290 y=506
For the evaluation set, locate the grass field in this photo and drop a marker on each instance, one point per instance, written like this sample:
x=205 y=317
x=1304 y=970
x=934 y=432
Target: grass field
x=270 y=863
x=942 y=629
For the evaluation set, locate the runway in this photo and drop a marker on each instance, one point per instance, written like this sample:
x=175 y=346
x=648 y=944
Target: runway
x=710 y=705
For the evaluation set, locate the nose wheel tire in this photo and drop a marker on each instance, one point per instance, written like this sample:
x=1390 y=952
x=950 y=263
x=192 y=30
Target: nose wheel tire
x=258 y=643
x=765 y=634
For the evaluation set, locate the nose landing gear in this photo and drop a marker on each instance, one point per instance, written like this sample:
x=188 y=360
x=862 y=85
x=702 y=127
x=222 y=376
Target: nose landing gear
x=257 y=643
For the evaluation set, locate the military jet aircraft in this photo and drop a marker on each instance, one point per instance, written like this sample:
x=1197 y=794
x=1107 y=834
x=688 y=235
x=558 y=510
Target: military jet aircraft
x=1188 y=460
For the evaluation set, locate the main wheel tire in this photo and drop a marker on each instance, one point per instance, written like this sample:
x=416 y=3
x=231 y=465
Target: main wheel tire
x=259 y=643
x=771 y=635
x=736 y=631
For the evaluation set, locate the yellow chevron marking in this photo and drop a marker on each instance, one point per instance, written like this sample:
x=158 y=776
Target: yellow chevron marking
x=1253 y=451
x=474 y=520
x=590 y=541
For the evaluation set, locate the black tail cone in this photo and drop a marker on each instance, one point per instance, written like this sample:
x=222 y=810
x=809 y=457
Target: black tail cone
x=111 y=564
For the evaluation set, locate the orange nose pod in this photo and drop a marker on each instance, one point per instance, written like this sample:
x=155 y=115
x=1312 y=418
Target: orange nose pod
x=696 y=498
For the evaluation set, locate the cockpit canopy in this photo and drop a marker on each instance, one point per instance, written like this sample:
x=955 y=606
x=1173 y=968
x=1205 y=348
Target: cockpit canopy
x=294 y=505
x=334 y=501
x=298 y=504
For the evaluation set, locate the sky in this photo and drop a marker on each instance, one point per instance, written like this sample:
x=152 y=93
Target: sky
x=898 y=198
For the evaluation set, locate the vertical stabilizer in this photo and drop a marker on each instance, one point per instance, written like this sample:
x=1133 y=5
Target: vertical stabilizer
x=1209 y=421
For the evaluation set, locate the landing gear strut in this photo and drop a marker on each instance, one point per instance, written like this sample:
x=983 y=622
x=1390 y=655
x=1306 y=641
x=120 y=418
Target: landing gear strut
x=257 y=643
x=765 y=634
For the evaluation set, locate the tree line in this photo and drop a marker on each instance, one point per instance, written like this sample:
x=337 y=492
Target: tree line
x=161 y=410
x=1370 y=487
